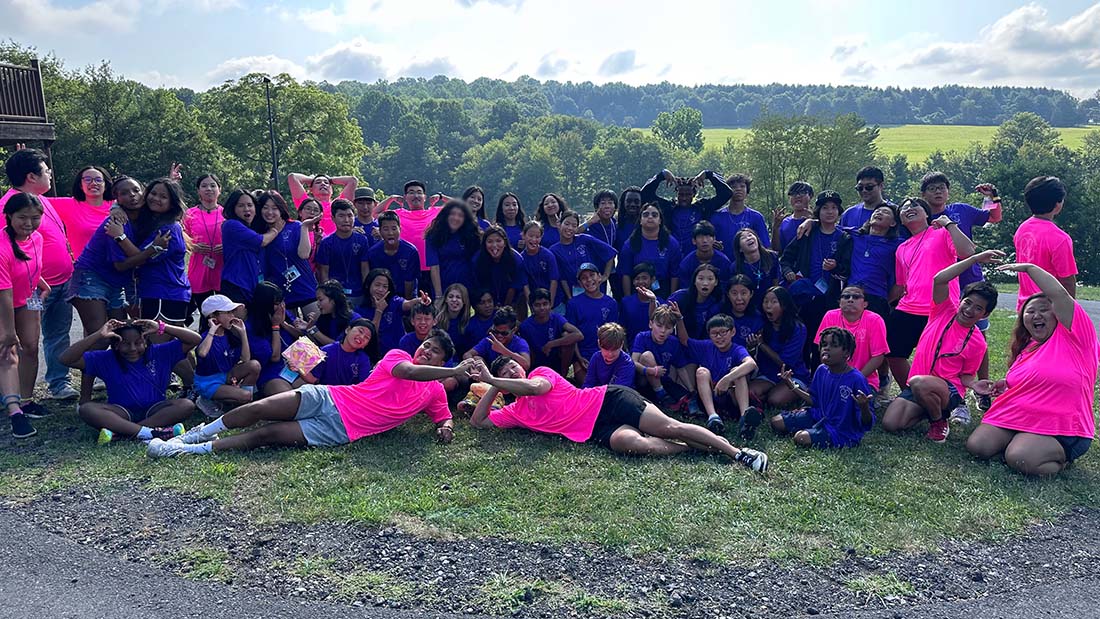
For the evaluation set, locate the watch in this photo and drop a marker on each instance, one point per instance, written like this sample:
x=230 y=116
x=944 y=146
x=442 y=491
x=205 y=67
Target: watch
x=120 y=238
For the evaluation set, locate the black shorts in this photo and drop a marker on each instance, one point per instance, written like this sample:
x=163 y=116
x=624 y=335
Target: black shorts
x=954 y=400
x=903 y=332
x=622 y=406
x=168 y=311
x=1074 y=446
x=878 y=305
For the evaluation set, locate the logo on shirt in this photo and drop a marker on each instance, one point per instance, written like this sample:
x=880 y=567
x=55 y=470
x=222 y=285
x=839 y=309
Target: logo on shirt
x=605 y=312
x=845 y=393
x=355 y=248
x=354 y=367
x=403 y=263
x=582 y=251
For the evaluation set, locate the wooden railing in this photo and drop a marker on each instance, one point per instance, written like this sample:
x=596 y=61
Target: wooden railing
x=21 y=98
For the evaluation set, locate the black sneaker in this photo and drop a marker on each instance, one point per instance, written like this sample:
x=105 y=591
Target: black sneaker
x=750 y=420
x=984 y=402
x=715 y=425
x=755 y=460
x=21 y=426
x=34 y=410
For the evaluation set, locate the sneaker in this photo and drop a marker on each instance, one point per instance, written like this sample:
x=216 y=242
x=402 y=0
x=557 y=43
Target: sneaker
x=176 y=382
x=34 y=410
x=98 y=384
x=715 y=425
x=164 y=449
x=984 y=402
x=750 y=420
x=693 y=409
x=165 y=434
x=960 y=416
x=66 y=392
x=938 y=431
x=105 y=437
x=209 y=407
x=755 y=460
x=683 y=405
x=21 y=426
x=193 y=436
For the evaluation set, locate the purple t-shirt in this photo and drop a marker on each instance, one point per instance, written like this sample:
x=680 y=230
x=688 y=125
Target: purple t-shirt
x=135 y=386
x=726 y=225
x=100 y=255
x=872 y=264
x=454 y=259
x=670 y=354
x=584 y=248
x=541 y=269
x=163 y=275
x=691 y=262
x=719 y=362
x=392 y=326
x=587 y=314
x=788 y=230
x=484 y=348
x=822 y=246
x=284 y=268
x=634 y=315
x=789 y=350
x=696 y=322
x=538 y=335
x=499 y=285
x=620 y=372
x=242 y=248
x=967 y=217
x=665 y=261
x=835 y=408
x=404 y=265
x=341 y=367
x=745 y=326
x=344 y=258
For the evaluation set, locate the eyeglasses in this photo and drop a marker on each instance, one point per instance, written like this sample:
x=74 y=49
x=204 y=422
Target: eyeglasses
x=89 y=180
x=851 y=296
x=936 y=187
x=866 y=187
x=719 y=332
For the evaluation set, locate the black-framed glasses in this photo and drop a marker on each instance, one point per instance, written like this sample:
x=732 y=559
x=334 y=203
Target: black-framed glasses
x=851 y=296
x=720 y=332
x=866 y=187
x=90 y=180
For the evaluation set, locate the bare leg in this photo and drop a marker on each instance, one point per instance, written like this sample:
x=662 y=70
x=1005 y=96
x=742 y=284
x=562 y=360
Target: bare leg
x=987 y=441
x=1035 y=454
x=932 y=394
x=284 y=434
x=28 y=327
x=655 y=423
x=171 y=413
x=102 y=415
x=899 y=367
x=706 y=391
x=647 y=360
x=778 y=425
x=627 y=440
x=901 y=415
x=781 y=396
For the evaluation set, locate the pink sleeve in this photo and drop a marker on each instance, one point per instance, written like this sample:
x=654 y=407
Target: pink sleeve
x=6 y=257
x=504 y=418
x=948 y=244
x=1062 y=260
x=876 y=339
x=899 y=271
x=437 y=409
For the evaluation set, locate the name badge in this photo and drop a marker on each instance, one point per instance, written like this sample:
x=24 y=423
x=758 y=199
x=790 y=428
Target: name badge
x=347 y=291
x=34 y=302
x=208 y=262
x=292 y=274
x=288 y=375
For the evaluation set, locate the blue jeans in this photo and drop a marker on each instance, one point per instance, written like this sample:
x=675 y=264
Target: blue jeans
x=57 y=320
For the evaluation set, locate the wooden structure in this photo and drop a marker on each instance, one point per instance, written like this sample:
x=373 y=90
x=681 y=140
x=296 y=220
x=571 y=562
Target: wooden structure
x=23 y=115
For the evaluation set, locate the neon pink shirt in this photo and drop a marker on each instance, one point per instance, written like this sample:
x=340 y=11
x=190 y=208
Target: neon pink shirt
x=57 y=257
x=918 y=260
x=383 y=401
x=413 y=225
x=204 y=227
x=21 y=275
x=563 y=410
x=1051 y=385
x=81 y=220
x=956 y=350
x=1044 y=244
x=328 y=226
x=870 y=332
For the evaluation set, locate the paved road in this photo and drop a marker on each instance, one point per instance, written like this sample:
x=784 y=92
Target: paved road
x=43 y=575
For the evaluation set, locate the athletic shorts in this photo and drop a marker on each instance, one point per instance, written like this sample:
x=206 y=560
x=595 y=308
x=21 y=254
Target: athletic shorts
x=903 y=332
x=799 y=420
x=138 y=415
x=1074 y=446
x=320 y=421
x=207 y=385
x=168 y=311
x=89 y=285
x=953 y=402
x=622 y=406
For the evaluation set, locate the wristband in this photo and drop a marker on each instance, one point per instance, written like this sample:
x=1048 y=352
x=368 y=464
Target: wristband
x=160 y=327
x=276 y=327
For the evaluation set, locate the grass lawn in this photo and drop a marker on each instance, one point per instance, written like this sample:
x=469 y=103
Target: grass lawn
x=917 y=141
x=1085 y=293
x=892 y=493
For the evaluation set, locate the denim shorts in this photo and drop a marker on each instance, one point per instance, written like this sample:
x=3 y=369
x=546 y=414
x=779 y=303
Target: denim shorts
x=320 y=421
x=89 y=285
x=954 y=400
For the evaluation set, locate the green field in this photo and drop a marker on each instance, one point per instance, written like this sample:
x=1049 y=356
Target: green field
x=918 y=141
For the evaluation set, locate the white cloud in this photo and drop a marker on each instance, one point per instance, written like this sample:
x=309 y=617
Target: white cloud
x=551 y=66
x=354 y=60
x=272 y=65
x=430 y=68
x=92 y=19
x=326 y=20
x=618 y=63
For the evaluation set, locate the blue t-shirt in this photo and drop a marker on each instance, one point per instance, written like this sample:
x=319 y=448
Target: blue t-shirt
x=822 y=246
x=259 y=348
x=726 y=225
x=410 y=342
x=788 y=230
x=341 y=367
x=344 y=259
x=102 y=252
x=454 y=259
x=368 y=231
x=517 y=344
x=789 y=350
x=515 y=235
x=538 y=335
x=587 y=314
x=745 y=326
x=691 y=262
x=392 y=325
x=584 y=248
x=163 y=275
x=223 y=355
x=623 y=233
x=872 y=263
x=404 y=265
x=835 y=409
x=550 y=236
x=284 y=268
x=696 y=321
x=967 y=217
x=499 y=284
x=762 y=278
x=683 y=222
x=665 y=261
x=620 y=372
x=458 y=337
x=608 y=233
x=855 y=216
x=242 y=248
x=135 y=386
x=634 y=315
x=332 y=327
x=477 y=328
x=541 y=269
x=719 y=362
x=670 y=354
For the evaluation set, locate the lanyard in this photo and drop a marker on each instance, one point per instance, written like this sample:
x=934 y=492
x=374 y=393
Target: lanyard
x=939 y=345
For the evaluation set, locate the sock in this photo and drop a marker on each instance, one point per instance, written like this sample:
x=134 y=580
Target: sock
x=661 y=393
x=144 y=434
x=200 y=448
x=714 y=416
x=214 y=427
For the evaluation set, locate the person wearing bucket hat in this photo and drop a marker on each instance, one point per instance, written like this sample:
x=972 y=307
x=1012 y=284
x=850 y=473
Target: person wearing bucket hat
x=225 y=370
x=364 y=213
x=587 y=312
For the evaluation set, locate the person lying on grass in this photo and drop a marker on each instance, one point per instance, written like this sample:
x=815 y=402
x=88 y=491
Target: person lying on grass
x=137 y=375
x=840 y=410
x=1042 y=419
x=326 y=416
x=613 y=416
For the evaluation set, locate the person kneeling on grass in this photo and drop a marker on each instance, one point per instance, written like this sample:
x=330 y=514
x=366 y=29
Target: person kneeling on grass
x=137 y=376
x=225 y=372
x=326 y=416
x=613 y=416
x=840 y=410
x=1042 y=419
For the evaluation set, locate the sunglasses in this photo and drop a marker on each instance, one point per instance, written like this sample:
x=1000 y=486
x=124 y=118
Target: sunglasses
x=866 y=187
x=851 y=296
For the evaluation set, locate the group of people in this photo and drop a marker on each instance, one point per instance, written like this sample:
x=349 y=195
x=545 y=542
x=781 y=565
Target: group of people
x=594 y=327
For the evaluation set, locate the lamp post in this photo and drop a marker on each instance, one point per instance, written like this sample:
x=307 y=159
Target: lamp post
x=271 y=134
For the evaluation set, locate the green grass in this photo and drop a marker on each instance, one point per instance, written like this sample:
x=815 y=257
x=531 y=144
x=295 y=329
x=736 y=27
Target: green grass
x=881 y=585
x=509 y=594
x=204 y=564
x=894 y=493
x=917 y=141
x=1085 y=293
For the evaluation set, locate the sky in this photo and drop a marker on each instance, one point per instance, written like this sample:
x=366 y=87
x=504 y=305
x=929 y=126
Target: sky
x=202 y=43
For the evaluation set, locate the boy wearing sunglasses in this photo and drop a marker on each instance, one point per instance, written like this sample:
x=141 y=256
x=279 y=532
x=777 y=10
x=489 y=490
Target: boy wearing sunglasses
x=868 y=328
x=502 y=341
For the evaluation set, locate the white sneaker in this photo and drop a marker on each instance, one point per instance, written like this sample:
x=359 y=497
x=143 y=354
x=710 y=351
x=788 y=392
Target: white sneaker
x=209 y=407
x=66 y=392
x=98 y=384
x=194 y=436
x=960 y=416
x=755 y=460
x=164 y=449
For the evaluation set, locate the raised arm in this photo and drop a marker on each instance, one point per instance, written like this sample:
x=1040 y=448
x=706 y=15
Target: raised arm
x=942 y=282
x=1060 y=300
x=349 y=183
x=426 y=373
x=296 y=182
x=73 y=356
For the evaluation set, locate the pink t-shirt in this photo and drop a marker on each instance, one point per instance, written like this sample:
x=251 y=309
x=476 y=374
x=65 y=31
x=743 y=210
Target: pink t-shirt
x=1044 y=244
x=328 y=226
x=870 y=332
x=57 y=257
x=21 y=275
x=918 y=260
x=81 y=220
x=383 y=401
x=413 y=225
x=203 y=226
x=955 y=350
x=1051 y=386
x=563 y=410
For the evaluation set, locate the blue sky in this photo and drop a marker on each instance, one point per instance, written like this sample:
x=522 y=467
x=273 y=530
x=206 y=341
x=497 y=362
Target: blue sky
x=199 y=43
